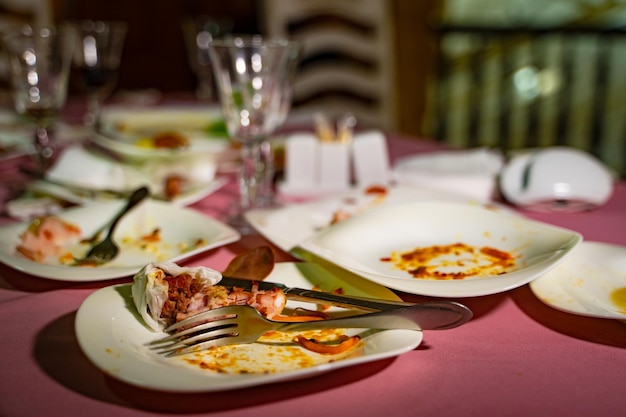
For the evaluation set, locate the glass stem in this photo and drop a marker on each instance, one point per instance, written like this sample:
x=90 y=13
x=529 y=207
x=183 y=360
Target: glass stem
x=43 y=148
x=94 y=106
x=251 y=175
x=266 y=192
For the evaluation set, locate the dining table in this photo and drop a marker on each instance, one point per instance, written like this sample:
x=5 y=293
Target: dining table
x=517 y=356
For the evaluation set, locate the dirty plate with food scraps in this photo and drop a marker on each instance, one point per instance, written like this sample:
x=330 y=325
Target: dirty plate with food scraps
x=130 y=133
x=153 y=231
x=290 y=224
x=443 y=249
x=591 y=282
x=114 y=338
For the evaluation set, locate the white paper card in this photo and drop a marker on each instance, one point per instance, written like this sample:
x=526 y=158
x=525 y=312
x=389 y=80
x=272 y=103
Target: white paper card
x=334 y=173
x=301 y=162
x=370 y=159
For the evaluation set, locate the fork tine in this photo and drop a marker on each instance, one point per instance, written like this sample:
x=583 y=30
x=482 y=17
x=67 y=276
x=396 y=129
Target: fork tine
x=189 y=334
x=193 y=342
x=209 y=315
x=224 y=340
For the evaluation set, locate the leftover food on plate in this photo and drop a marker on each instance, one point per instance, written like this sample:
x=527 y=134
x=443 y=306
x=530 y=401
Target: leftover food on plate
x=153 y=231
x=46 y=237
x=452 y=261
x=53 y=241
x=166 y=293
x=164 y=140
x=375 y=194
x=492 y=251
x=117 y=340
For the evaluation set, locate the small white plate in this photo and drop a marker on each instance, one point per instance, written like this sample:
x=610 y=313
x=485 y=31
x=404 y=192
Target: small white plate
x=122 y=130
x=291 y=224
x=361 y=243
x=184 y=233
x=112 y=335
x=189 y=195
x=585 y=283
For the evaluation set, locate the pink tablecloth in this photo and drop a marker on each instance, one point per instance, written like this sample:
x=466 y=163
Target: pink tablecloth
x=517 y=357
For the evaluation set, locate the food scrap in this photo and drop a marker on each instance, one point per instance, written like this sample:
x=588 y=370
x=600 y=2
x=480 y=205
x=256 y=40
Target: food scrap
x=452 y=262
x=379 y=194
x=344 y=344
x=618 y=297
x=166 y=293
x=173 y=186
x=164 y=140
x=48 y=236
x=275 y=352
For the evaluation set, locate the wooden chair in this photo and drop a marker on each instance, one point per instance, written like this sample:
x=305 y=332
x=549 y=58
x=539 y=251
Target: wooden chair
x=347 y=62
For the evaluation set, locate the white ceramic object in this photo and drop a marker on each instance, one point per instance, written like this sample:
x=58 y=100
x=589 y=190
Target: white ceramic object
x=290 y=224
x=114 y=339
x=586 y=283
x=556 y=179
x=122 y=129
x=181 y=230
x=360 y=244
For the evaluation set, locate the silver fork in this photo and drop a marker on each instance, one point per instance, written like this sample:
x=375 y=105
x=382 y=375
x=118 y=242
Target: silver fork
x=107 y=249
x=244 y=324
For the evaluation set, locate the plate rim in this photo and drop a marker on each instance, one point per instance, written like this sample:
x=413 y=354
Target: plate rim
x=259 y=217
x=9 y=234
x=196 y=382
x=445 y=288
x=537 y=286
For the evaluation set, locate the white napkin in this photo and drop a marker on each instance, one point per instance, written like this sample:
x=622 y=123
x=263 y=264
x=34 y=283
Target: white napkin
x=80 y=167
x=472 y=172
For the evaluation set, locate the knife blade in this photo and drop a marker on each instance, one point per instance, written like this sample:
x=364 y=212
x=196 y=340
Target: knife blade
x=433 y=315
x=317 y=297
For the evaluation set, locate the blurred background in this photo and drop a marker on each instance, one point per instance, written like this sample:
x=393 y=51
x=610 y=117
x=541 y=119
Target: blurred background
x=508 y=74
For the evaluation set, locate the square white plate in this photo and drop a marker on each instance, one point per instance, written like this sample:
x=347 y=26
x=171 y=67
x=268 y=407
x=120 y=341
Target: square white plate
x=113 y=337
x=291 y=224
x=193 y=122
x=361 y=243
x=184 y=233
x=588 y=283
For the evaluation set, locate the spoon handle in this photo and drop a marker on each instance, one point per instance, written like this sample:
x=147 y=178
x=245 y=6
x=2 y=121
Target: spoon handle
x=135 y=198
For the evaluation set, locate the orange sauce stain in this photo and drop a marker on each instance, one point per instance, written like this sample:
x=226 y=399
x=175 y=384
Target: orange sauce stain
x=618 y=297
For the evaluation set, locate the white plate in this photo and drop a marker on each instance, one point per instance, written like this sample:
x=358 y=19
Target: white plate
x=192 y=122
x=291 y=224
x=584 y=283
x=181 y=229
x=189 y=195
x=359 y=244
x=113 y=337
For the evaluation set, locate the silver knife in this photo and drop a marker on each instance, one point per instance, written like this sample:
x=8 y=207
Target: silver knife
x=433 y=315
x=317 y=297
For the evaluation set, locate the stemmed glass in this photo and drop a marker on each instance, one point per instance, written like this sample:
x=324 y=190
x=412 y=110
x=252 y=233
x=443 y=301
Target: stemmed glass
x=199 y=31
x=40 y=62
x=254 y=80
x=97 y=58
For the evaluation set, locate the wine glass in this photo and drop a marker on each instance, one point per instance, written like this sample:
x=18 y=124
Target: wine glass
x=199 y=31
x=97 y=58
x=254 y=81
x=40 y=64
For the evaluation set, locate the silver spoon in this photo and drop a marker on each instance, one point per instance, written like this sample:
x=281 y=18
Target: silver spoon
x=107 y=249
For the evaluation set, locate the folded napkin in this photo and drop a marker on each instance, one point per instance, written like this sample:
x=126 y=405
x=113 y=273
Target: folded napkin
x=80 y=167
x=472 y=173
